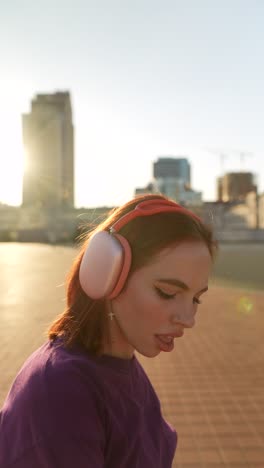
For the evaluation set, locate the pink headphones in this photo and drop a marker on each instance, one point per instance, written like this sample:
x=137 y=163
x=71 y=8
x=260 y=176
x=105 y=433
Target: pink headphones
x=106 y=262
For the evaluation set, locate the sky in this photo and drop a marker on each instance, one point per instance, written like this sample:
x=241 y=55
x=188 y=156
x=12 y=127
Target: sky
x=147 y=79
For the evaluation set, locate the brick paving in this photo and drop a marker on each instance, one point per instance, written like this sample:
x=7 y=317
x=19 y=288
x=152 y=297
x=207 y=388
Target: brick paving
x=211 y=386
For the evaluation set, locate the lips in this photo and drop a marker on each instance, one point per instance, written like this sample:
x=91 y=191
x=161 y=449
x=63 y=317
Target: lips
x=166 y=342
x=168 y=336
x=165 y=338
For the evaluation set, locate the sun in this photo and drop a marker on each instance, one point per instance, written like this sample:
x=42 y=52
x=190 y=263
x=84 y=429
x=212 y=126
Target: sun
x=14 y=101
x=11 y=167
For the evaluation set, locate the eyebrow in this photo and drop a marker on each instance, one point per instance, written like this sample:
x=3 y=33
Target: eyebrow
x=180 y=284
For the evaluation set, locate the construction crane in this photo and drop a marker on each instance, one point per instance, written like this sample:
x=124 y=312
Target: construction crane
x=222 y=154
x=242 y=155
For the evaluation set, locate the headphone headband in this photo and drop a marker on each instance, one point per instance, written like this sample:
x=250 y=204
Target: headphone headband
x=151 y=207
x=106 y=263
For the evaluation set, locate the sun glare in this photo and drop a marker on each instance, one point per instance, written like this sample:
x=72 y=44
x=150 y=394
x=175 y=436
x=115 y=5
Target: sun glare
x=14 y=99
x=11 y=168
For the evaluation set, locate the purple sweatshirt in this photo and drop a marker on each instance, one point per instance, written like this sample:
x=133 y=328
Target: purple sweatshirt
x=67 y=409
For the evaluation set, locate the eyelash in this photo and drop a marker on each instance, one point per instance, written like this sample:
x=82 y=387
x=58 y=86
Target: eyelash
x=197 y=301
x=163 y=294
x=171 y=296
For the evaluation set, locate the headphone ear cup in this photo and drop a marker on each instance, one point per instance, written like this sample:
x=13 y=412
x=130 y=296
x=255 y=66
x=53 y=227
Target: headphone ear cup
x=127 y=258
x=105 y=265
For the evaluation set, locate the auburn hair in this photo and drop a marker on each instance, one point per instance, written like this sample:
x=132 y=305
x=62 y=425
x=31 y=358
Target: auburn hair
x=83 y=321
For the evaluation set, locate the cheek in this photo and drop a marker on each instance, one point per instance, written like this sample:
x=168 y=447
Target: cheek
x=140 y=306
x=150 y=310
x=143 y=302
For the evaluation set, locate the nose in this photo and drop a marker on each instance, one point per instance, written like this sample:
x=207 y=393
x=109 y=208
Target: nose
x=185 y=316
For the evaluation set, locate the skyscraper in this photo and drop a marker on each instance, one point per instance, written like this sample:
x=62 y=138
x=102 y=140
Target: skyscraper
x=172 y=177
x=178 y=168
x=48 y=136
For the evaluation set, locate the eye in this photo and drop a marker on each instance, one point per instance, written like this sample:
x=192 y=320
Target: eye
x=163 y=294
x=196 y=301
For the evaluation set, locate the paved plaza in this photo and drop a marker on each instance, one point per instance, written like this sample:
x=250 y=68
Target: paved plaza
x=211 y=386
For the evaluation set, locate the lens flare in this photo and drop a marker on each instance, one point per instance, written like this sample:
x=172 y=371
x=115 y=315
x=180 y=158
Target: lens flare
x=245 y=305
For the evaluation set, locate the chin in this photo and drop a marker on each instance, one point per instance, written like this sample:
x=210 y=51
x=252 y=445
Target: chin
x=149 y=354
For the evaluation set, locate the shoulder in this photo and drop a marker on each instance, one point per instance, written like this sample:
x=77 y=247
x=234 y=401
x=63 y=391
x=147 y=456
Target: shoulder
x=55 y=397
x=54 y=365
x=63 y=364
x=70 y=374
x=57 y=385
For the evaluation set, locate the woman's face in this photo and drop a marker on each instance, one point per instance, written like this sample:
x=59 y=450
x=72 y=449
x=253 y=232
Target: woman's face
x=160 y=300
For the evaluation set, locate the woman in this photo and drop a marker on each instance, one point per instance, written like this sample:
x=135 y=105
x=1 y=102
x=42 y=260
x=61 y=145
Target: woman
x=83 y=400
